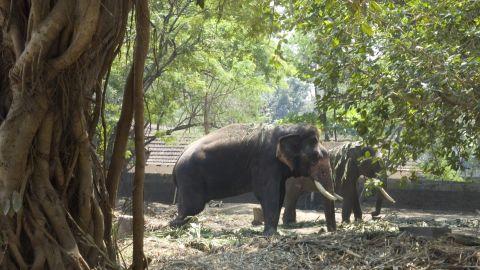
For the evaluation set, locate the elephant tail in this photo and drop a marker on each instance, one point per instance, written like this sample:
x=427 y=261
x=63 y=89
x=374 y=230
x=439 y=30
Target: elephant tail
x=174 y=181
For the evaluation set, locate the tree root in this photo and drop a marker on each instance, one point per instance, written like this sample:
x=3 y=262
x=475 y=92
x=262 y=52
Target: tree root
x=56 y=54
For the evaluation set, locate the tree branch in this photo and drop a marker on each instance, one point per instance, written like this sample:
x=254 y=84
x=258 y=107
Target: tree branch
x=85 y=26
x=43 y=38
x=142 y=19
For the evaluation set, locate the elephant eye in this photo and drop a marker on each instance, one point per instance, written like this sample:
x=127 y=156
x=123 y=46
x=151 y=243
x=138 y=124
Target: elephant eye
x=312 y=141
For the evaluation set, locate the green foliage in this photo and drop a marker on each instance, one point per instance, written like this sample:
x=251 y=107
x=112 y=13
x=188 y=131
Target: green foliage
x=292 y=99
x=214 y=70
x=194 y=234
x=128 y=154
x=444 y=170
x=310 y=118
x=404 y=75
x=208 y=66
x=399 y=75
x=371 y=185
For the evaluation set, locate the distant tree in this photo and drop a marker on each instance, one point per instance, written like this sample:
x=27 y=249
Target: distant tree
x=221 y=80
x=294 y=98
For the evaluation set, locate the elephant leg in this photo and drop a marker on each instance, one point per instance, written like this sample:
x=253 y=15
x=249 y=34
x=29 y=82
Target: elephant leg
x=272 y=201
x=378 y=204
x=191 y=202
x=348 y=201
x=357 y=210
x=346 y=211
x=293 y=190
x=329 y=209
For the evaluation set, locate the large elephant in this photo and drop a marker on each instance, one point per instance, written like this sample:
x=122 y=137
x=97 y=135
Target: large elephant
x=239 y=158
x=349 y=162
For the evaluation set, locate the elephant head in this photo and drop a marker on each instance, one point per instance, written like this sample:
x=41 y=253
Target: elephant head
x=370 y=164
x=305 y=156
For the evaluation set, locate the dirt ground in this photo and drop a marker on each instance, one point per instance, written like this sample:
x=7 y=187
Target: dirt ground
x=222 y=237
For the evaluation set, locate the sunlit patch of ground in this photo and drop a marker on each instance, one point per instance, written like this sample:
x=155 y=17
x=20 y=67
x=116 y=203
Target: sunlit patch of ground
x=222 y=237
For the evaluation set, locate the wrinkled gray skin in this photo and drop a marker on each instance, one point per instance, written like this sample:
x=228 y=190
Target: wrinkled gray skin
x=238 y=158
x=346 y=188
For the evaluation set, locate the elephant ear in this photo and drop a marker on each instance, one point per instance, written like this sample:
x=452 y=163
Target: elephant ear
x=348 y=166
x=354 y=150
x=355 y=153
x=288 y=148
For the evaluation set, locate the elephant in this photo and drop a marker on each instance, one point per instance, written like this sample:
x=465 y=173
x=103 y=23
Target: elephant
x=349 y=162
x=240 y=158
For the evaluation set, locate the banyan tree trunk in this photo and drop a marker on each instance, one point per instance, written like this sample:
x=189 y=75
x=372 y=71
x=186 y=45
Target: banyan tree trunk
x=54 y=202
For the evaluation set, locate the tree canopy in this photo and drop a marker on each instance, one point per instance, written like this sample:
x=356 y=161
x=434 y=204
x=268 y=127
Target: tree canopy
x=401 y=75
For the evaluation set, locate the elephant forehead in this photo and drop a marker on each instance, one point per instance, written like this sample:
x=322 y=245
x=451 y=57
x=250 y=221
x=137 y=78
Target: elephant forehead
x=322 y=164
x=323 y=151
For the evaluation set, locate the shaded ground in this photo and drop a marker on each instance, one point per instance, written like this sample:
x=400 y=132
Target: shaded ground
x=222 y=237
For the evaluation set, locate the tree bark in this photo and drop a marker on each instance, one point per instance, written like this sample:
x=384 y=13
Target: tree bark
x=142 y=19
x=206 y=112
x=51 y=181
x=323 y=120
x=322 y=115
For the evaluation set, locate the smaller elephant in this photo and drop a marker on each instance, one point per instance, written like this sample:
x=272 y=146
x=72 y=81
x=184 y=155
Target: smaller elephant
x=348 y=163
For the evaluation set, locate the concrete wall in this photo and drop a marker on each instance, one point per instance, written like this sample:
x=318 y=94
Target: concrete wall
x=158 y=187
x=426 y=195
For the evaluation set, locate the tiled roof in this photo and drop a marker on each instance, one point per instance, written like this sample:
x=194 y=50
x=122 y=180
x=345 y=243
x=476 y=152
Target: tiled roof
x=166 y=154
x=162 y=156
x=332 y=144
x=161 y=153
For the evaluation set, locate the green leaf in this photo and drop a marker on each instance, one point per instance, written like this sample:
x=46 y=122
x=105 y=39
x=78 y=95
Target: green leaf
x=128 y=154
x=328 y=23
x=5 y=207
x=375 y=6
x=367 y=29
x=16 y=201
x=335 y=42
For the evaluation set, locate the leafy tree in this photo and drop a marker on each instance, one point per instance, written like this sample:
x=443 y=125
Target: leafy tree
x=292 y=99
x=403 y=74
x=221 y=79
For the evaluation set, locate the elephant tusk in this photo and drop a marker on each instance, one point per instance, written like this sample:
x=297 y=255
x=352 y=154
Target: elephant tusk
x=338 y=196
x=324 y=191
x=386 y=196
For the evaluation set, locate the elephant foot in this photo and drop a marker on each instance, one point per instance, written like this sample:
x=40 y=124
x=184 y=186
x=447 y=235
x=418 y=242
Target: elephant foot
x=268 y=232
x=375 y=213
x=331 y=227
x=256 y=223
x=257 y=216
x=289 y=221
x=178 y=222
